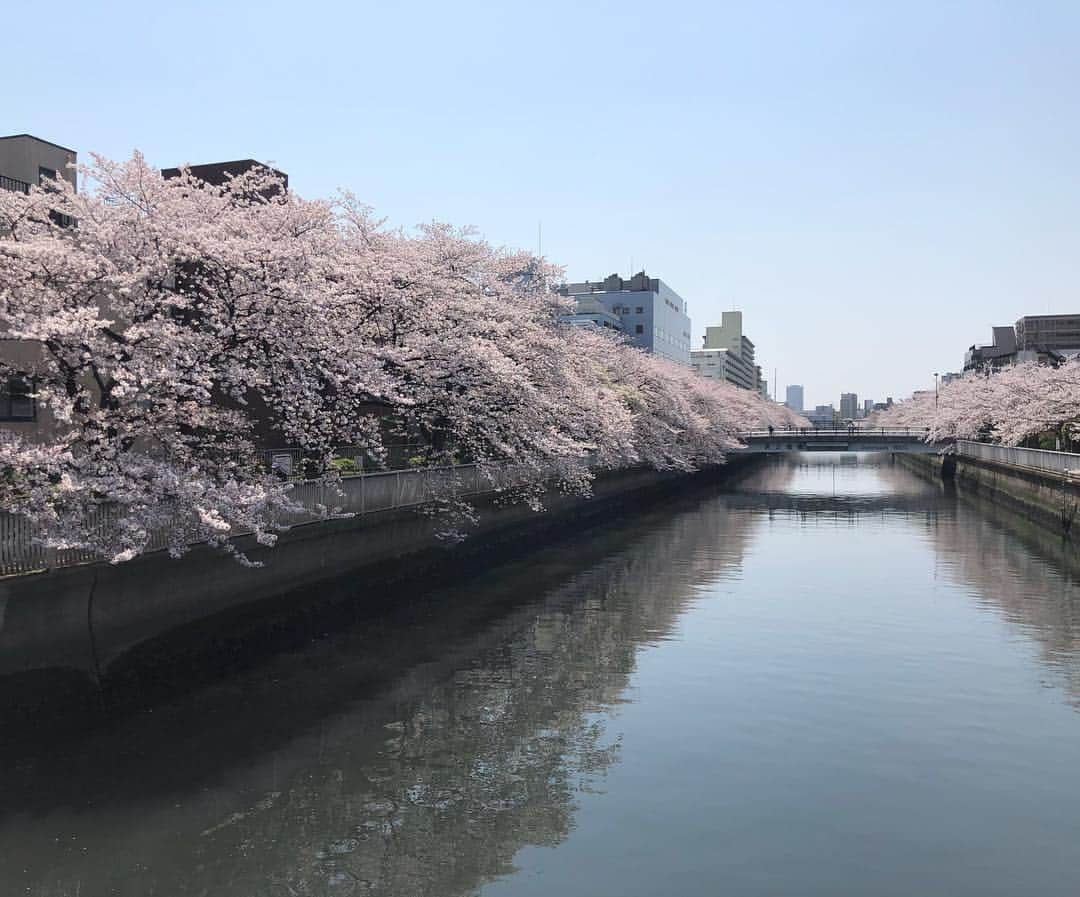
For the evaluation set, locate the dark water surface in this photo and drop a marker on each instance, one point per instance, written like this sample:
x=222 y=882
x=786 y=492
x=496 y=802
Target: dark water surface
x=835 y=680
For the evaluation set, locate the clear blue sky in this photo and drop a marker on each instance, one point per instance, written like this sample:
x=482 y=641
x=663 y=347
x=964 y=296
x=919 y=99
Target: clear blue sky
x=873 y=184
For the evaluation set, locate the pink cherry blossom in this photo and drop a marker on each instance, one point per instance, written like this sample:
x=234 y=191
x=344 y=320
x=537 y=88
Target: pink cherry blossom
x=1005 y=406
x=182 y=327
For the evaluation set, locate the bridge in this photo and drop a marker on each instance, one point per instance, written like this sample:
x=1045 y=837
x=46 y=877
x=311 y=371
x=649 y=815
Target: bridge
x=848 y=439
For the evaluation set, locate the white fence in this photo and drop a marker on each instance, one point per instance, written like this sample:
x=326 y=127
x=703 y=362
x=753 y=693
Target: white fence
x=20 y=552
x=1036 y=459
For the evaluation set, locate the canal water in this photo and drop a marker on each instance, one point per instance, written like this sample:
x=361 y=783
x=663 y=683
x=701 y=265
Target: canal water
x=831 y=678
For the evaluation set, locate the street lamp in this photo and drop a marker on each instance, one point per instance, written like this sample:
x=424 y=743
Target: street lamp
x=935 y=389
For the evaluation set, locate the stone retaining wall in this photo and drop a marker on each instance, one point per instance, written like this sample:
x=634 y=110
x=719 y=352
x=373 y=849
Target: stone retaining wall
x=80 y=624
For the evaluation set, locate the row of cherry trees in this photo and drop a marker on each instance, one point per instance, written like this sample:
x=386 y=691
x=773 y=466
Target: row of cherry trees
x=181 y=326
x=1006 y=406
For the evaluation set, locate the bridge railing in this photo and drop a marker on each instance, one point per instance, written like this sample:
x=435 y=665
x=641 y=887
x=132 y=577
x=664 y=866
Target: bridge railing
x=1036 y=459
x=837 y=432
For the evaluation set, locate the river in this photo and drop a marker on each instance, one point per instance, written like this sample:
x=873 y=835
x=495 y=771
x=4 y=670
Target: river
x=833 y=678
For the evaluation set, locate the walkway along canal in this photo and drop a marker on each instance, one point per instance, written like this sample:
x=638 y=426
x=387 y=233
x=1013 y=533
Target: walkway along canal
x=832 y=679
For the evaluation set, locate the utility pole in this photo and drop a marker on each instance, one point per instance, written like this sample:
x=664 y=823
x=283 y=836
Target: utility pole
x=935 y=390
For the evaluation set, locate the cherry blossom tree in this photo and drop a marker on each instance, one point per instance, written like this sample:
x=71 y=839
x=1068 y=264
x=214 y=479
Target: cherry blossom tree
x=1006 y=406
x=181 y=327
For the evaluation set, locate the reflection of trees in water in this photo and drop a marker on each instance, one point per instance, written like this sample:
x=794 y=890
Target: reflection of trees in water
x=1024 y=570
x=431 y=788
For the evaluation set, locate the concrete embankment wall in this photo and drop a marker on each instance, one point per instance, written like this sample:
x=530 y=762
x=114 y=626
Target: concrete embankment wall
x=1047 y=497
x=79 y=625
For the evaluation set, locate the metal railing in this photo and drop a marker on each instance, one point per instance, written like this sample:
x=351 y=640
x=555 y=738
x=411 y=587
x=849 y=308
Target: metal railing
x=366 y=493
x=837 y=432
x=351 y=460
x=1035 y=459
x=13 y=184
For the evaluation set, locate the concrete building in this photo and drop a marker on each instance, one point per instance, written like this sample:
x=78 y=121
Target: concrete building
x=762 y=383
x=650 y=313
x=867 y=407
x=849 y=406
x=950 y=377
x=591 y=312
x=794 y=399
x=710 y=363
x=1047 y=339
x=821 y=416
x=999 y=353
x=1058 y=334
x=217 y=173
x=737 y=353
x=27 y=160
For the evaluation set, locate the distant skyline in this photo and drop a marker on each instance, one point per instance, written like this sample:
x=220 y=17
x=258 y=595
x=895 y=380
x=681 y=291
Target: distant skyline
x=873 y=185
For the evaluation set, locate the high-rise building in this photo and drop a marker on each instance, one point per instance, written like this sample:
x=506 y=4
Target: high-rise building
x=849 y=405
x=795 y=398
x=651 y=314
x=730 y=352
x=867 y=407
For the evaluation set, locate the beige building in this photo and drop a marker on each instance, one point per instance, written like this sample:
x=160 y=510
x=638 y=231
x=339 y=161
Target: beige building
x=728 y=354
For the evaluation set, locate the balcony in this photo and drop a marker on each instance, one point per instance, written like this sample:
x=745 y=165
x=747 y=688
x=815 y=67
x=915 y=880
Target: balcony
x=14 y=184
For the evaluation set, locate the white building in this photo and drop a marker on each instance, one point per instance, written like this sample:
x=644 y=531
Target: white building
x=648 y=311
x=710 y=363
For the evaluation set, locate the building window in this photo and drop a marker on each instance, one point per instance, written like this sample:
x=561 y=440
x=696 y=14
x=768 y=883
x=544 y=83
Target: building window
x=17 y=400
x=639 y=328
x=640 y=310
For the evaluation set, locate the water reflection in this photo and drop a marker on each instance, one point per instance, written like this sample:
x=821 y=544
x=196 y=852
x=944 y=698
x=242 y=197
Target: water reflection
x=1023 y=571
x=817 y=683
x=478 y=741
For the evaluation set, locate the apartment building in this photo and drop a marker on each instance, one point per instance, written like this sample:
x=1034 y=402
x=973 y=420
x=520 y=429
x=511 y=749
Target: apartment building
x=728 y=354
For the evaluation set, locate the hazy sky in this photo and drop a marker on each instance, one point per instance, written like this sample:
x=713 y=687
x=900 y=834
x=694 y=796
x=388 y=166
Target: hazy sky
x=873 y=184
